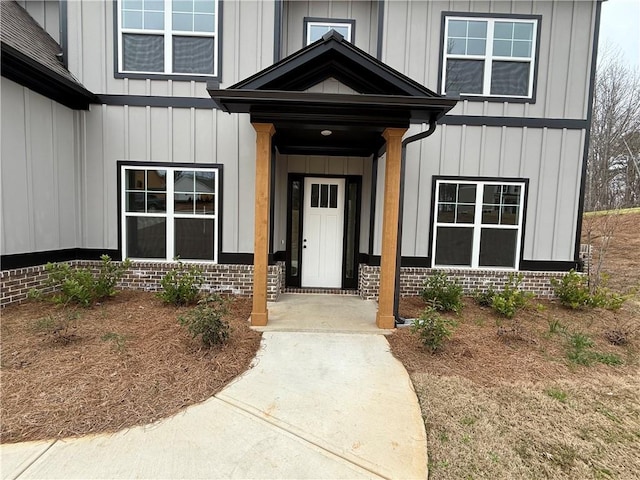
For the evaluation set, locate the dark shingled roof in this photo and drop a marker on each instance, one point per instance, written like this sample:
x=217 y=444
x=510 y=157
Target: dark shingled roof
x=27 y=49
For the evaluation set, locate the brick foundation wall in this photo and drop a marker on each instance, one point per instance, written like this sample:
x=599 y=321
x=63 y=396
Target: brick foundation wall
x=412 y=279
x=232 y=279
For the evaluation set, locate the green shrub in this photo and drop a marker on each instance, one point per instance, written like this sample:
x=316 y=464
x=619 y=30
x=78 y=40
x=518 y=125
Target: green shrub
x=443 y=294
x=433 y=329
x=484 y=299
x=206 y=320
x=510 y=299
x=579 y=351
x=574 y=292
x=80 y=286
x=181 y=285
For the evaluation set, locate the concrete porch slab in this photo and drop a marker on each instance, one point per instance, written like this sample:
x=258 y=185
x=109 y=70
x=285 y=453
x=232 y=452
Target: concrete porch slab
x=322 y=313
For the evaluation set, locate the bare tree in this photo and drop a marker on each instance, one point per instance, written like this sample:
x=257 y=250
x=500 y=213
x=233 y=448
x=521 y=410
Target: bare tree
x=613 y=169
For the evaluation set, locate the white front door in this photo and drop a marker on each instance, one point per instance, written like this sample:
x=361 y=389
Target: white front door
x=323 y=225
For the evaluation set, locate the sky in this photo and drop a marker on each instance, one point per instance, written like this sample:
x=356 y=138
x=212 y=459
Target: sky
x=620 y=26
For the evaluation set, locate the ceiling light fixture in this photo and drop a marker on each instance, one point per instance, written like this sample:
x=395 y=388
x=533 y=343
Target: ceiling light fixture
x=326 y=133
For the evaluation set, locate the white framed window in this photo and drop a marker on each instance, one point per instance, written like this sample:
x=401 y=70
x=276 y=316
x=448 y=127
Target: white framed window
x=169 y=212
x=489 y=57
x=316 y=28
x=171 y=37
x=478 y=224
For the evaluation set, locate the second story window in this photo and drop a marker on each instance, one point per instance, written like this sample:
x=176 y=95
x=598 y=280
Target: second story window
x=489 y=57
x=175 y=37
x=315 y=28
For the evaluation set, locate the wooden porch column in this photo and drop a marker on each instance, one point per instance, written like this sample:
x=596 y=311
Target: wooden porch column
x=259 y=314
x=393 y=136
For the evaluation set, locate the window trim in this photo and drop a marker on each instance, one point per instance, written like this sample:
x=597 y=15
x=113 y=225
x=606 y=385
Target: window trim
x=533 y=74
x=186 y=77
x=122 y=165
x=328 y=21
x=477 y=224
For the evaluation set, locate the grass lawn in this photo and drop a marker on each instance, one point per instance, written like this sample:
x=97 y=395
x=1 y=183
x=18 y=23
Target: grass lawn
x=507 y=399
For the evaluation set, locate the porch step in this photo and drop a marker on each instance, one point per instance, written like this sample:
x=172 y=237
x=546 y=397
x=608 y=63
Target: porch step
x=325 y=291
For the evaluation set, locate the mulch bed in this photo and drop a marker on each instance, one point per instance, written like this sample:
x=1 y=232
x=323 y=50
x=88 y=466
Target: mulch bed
x=121 y=363
x=478 y=352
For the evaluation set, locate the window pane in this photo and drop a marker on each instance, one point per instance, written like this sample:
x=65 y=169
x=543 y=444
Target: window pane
x=344 y=31
x=205 y=182
x=464 y=76
x=315 y=194
x=184 y=203
x=523 y=31
x=157 y=180
x=448 y=192
x=497 y=247
x=315 y=32
x=132 y=19
x=183 y=181
x=156 y=202
x=491 y=214
x=511 y=194
x=502 y=48
x=132 y=4
x=503 y=30
x=204 y=23
x=183 y=22
x=295 y=226
x=477 y=29
x=143 y=53
x=467 y=193
x=135 y=179
x=146 y=237
x=205 y=204
x=457 y=28
x=453 y=246
x=194 y=238
x=135 y=202
x=465 y=214
x=446 y=213
x=476 y=47
x=193 y=55
x=324 y=195
x=154 y=21
x=510 y=78
x=204 y=6
x=333 y=196
x=182 y=6
x=456 y=46
x=491 y=194
x=522 y=48
x=157 y=5
x=509 y=215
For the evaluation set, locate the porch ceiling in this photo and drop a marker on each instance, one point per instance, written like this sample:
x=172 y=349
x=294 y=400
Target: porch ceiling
x=385 y=99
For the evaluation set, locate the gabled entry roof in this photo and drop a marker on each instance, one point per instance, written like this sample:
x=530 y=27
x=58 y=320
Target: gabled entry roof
x=384 y=98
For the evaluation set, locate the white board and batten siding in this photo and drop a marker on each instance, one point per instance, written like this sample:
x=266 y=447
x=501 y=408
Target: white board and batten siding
x=167 y=134
x=38 y=172
x=550 y=157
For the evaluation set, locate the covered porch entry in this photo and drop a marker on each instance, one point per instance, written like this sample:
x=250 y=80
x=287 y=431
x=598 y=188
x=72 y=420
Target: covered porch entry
x=295 y=112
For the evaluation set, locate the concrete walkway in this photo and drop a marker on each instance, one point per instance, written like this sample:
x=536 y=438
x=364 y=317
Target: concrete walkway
x=315 y=405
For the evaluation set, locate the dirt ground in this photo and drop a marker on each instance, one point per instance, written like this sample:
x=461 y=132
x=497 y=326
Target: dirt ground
x=122 y=363
x=512 y=405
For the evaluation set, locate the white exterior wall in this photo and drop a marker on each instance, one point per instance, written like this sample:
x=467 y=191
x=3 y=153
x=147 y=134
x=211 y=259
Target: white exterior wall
x=46 y=13
x=38 y=172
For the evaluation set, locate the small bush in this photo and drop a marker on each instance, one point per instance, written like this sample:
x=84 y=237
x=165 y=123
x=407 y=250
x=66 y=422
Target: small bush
x=580 y=352
x=78 y=285
x=181 y=285
x=433 y=329
x=574 y=292
x=484 y=299
x=510 y=299
x=206 y=320
x=60 y=325
x=443 y=294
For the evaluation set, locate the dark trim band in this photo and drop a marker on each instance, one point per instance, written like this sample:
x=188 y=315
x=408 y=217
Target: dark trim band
x=380 y=29
x=476 y=120
x=22 y=260
x=149 y=101
x=525 y=265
